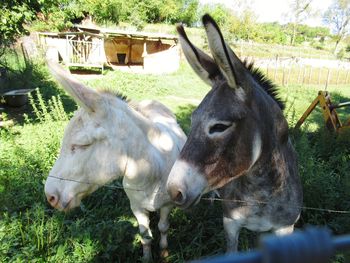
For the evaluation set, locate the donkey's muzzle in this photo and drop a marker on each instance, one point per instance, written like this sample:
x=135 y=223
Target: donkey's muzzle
x=185 y=184
x=178 y=196
x=183 y=198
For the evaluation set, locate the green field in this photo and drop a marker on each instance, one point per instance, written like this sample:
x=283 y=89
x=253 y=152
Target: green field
x=103 y=229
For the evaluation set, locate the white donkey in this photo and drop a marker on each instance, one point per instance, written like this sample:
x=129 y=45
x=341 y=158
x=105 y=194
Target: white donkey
x=108 y=138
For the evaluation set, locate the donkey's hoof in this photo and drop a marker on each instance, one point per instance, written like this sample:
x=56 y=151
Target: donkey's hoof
x=164 y=253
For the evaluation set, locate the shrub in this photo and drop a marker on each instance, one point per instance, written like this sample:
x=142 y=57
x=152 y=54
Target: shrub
x=324 y=162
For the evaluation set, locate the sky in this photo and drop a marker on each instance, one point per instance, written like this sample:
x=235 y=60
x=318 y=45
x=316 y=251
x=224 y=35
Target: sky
x=277 y=10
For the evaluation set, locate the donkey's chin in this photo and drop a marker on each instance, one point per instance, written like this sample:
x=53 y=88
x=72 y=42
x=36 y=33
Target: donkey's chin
x=68 y=206
x=193 y=202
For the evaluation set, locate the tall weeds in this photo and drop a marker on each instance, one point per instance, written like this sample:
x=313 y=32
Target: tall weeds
x=52 y=110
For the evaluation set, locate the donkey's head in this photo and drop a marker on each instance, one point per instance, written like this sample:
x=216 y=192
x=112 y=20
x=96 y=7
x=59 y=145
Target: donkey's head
x=232 y=125
x=91 y=152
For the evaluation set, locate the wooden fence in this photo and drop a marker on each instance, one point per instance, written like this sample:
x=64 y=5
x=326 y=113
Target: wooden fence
x=308 y=75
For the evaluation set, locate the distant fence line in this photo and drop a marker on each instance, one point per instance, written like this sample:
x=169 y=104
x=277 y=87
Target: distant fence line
x=307 y=75
x=249 y=48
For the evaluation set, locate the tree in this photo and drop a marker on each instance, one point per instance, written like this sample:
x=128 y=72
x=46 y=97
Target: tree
x=338 y=17
x=245 y=26
x=188 y=11
x=169 y=11
x=13 y=15
x=219 y=12
x=300 y=10
x=272 y=33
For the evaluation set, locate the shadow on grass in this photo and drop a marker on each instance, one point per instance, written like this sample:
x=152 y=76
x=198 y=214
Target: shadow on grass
x=102 y=229
x=35 y=75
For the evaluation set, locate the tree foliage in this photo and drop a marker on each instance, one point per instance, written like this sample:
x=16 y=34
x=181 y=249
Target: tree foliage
x=219 y=12
x=299 y=11
x=58 y=15
x=138 y=12
x=13 y=16
x=338 y=17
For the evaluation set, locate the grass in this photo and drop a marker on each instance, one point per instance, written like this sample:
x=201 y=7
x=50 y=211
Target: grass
x=262 y=50
x=174 y=90
x=298 y=98
x=103 y=229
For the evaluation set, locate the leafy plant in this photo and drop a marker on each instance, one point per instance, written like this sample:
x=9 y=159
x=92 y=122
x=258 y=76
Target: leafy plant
x=52 y=111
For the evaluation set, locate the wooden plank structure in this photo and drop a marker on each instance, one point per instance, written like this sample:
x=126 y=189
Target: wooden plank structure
x=329 y=112
x=83 y=51
x=80 y=49
x=94 y=47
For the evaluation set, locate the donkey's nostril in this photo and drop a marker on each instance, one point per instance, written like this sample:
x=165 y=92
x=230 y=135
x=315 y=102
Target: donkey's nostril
x=179 y=197
x=52 y=199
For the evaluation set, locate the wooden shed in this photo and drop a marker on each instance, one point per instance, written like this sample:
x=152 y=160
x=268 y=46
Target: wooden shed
x=96 y=47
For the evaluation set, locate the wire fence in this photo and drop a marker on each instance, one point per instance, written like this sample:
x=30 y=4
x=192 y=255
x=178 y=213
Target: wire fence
x=312 y=245
x=307 y=75
x=262 y=50
x=211 y=199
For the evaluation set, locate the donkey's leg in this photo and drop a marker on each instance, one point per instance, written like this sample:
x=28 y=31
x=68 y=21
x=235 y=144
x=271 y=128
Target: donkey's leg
x=285 y=230
x=142 y=217
x=163 y=227
x=231 y=228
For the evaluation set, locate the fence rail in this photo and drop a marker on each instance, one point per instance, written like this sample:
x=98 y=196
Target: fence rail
x=307 y=75
x=311 y=245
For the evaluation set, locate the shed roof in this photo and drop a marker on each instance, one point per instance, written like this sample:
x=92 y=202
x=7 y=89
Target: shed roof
x=105 y=33
x=124 y=33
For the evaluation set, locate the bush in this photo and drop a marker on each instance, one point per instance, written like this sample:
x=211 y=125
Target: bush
x=324 y=163
x=340 y=54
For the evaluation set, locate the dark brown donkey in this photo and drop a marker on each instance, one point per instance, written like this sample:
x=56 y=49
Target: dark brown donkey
x=238 y=144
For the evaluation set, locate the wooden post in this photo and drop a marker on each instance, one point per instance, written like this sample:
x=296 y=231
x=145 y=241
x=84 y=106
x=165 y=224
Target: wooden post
x=336 y=82
x=319 y=76
x=129 y=51
x=288 y=76
x=299 y=73
x=310 y=74
x=25 y=54
x=144 y=53
x=328 y=78
x=67 y=49
x=283 y=75
x=303 y=80
x=347 y=75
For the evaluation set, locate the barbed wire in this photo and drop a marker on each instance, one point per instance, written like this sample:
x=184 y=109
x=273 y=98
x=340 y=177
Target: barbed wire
x=211 y=199
x=257 y=202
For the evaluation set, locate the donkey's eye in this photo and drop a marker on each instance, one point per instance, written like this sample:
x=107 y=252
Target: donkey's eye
x=75 y=147
x=219 y=127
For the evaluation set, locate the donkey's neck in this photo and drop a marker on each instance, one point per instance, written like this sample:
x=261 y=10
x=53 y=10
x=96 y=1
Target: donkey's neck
x=141 y=155
x=136 y=117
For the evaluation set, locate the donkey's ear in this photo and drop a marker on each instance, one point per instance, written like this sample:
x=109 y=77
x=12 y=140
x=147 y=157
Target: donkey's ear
x=229 y=63
x=201 y=63
x=87 y=98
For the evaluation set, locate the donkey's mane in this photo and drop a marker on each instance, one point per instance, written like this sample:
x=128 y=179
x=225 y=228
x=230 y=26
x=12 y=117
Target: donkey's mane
x=118 y=94
x=269 y=86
